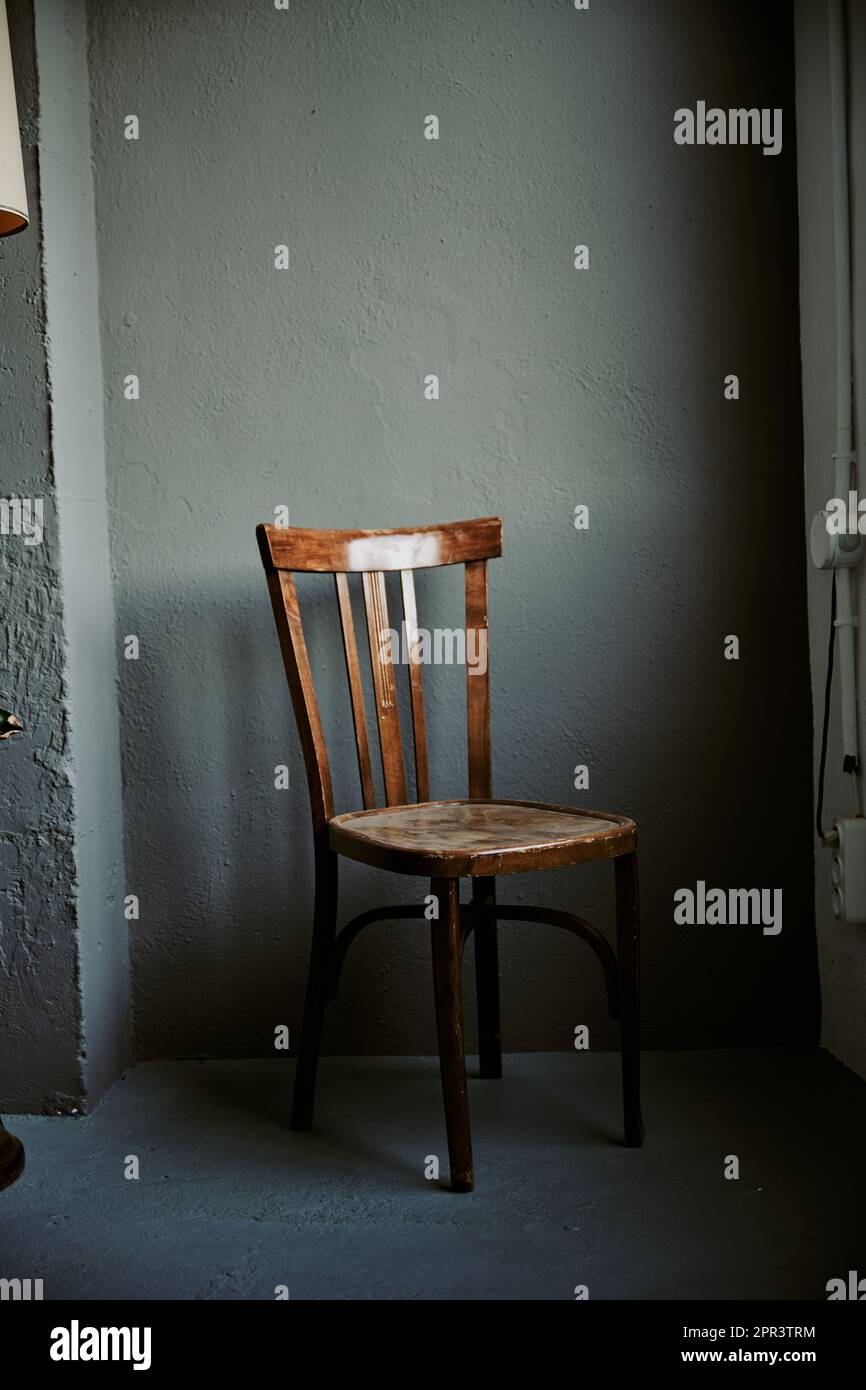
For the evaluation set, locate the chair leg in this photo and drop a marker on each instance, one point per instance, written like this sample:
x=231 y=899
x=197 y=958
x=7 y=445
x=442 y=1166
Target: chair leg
x=628 y=941
x=318 y=981
x=447 y=955
x=487 y=982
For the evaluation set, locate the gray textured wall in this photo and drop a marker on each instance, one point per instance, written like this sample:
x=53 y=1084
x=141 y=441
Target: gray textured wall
x=40 y=1004
x=261 y=387
x=64 y=973
x=75 y=370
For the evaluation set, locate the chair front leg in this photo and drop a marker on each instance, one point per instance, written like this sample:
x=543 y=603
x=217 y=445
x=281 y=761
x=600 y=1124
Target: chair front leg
x=447 y=939
x=318 y=983
x=628 y=954
x=487 y=981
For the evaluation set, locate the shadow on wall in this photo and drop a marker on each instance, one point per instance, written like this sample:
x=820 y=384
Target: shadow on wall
x=227 y=964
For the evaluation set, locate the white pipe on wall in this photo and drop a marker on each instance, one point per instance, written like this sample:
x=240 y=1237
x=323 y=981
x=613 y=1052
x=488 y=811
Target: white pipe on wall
x=844 y=456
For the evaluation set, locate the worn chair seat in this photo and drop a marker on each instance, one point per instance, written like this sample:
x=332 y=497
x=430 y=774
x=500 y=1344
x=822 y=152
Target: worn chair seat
x=471 y=837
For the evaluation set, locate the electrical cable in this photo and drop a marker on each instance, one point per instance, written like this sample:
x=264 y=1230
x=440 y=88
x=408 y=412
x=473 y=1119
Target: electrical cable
x=826 y=727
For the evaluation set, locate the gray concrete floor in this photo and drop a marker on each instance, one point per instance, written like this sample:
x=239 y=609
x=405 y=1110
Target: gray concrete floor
x=230 y=1204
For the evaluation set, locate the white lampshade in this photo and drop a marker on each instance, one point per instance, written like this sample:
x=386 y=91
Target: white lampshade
x=13 y=195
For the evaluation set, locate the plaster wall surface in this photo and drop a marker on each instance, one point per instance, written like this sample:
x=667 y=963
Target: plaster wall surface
x=41 y=1064
x=603 y=387
x=75 y=370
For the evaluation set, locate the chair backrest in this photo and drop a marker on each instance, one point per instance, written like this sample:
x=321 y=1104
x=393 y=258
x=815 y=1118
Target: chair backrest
x=287 y=550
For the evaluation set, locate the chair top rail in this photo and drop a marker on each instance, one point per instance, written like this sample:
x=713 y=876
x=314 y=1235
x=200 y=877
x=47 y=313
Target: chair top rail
x=302 y=549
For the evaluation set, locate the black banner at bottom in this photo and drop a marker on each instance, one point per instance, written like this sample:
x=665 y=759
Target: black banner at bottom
x=225 y=1338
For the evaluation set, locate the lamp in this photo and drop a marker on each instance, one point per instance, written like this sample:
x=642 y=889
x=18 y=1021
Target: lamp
x=14 y=216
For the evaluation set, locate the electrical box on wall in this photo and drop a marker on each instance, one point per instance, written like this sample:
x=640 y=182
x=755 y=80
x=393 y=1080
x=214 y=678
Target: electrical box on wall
x=849 y=870
x=831 y=552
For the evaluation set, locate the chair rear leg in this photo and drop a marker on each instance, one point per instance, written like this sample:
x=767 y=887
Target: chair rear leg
x=628 y=939
x=487 y=982
x=318 y=981
x=447 y=956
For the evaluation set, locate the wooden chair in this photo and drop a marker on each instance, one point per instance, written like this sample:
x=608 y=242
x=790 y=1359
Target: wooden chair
x=478 y=837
